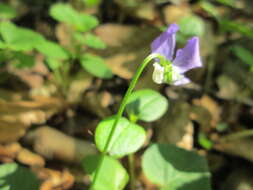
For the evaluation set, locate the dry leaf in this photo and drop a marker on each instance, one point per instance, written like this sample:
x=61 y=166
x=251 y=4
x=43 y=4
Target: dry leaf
x=49 y=143
x=175 y=127
x=17 y=116
x=209 y=104
x=27 y=157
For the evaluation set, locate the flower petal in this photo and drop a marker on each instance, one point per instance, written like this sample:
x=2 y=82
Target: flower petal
x=165 y=43
x=188 y=57
x=158 y=74
x=182 y=81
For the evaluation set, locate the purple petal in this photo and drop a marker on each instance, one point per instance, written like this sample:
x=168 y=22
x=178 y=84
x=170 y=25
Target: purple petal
x=182 y=81
x=188 y=57
x=165 y=43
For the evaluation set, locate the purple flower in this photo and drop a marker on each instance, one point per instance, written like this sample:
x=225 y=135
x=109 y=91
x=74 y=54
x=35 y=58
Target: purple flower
x=186 y=58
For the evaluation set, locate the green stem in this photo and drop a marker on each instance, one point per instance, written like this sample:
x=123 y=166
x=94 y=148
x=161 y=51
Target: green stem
x=131 y=163
x=121 y=110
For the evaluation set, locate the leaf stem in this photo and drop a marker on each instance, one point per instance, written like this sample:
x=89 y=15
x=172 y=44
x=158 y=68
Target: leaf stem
x=121 y=110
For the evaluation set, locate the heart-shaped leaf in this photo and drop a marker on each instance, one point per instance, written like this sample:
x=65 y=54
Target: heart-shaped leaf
x=147 y=105
x=112 y=174
x=96 y=66
x=174 y=168
x=15 y=177
x=127 y=138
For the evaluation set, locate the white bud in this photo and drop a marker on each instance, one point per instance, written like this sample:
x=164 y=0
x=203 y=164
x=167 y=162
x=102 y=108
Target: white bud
x=158 y=74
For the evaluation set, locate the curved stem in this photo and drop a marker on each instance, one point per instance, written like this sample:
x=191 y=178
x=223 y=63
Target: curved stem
x=121 y=109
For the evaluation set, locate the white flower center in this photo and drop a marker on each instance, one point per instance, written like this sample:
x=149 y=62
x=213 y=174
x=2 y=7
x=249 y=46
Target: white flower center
x=158 y=74
x=176 y=76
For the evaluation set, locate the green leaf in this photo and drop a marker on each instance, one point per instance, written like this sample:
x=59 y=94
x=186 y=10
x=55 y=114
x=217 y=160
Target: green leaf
x=233 y=26
x=127 y=138
x=18 y=38
x=243 y=54
x=96 y=66
x=65 y=13
x=2 y=44
x=204 y=141
x=53 y=63
x=192 y=26
x=210 y=8
x=22 y=60
x=112 y=174
x=91 y=3
x=227 y=2
x=7 y=12
x=15 y=177
x=174 y=168
x=52 y=50
x=147 y=105
x=94 y=42
x=87 y=23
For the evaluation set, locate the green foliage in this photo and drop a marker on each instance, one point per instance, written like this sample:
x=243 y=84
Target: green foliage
x=146 y=105
x=18 y=38
x=22 y=60
x=96 y=66
x=54 y=64
x=94 y=42
x=192 y=26
x=7 y=12
x=15 y=177
x=65 y=13
x=174 y=168
x=243 y=54
x=113 y=175
x=52 y=50
x=91 y=3
x=204 y=141
x=127 y=138
x=210 y=9
x=234 y=26
x=227 y=2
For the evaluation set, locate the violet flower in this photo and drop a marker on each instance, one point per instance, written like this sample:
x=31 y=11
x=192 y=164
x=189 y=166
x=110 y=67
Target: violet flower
x=173 y=70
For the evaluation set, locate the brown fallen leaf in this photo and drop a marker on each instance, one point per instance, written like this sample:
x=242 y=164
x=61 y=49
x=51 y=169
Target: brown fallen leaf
x=27 y=157
x=212 y=106
x=32 y=77
x=175 y=127
x=173 y=13
x=17 y=116
x=49 y=142
x=92 y=101
x=238 y=147
x=53 y=179
x=124 y=54
x=78 y=85
x=8 y=152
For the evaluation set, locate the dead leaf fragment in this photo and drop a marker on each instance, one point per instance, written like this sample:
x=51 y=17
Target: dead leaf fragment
x=49 y=142
x=27 y=157
x=212 y=106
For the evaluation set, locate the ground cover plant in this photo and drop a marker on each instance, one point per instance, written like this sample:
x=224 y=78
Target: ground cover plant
x=113 y=95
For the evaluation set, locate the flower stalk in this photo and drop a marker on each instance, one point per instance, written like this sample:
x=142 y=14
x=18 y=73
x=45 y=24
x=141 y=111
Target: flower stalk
x=122 y=108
